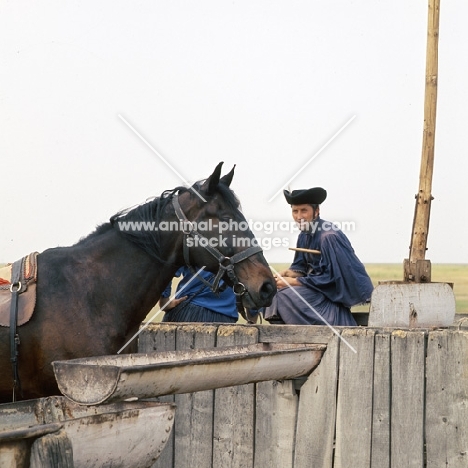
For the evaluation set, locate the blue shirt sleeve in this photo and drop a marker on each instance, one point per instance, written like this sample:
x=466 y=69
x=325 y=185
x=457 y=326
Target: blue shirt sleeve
x=167 y=290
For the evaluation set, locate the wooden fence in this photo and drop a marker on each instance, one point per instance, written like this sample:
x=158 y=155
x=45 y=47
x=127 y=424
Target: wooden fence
x=379 y=398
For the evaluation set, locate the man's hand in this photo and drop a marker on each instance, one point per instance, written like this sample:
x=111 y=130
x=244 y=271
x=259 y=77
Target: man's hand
x=170 y=304
x=290 y=274
x=284 y=281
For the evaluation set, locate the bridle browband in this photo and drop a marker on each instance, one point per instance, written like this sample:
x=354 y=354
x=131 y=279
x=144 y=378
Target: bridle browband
x=225 y=264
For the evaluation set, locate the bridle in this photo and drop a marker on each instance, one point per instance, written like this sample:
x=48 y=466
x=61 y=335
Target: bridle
x=225 y=264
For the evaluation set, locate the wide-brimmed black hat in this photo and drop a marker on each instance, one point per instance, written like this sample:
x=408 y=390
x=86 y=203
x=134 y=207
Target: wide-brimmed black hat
x=312 y=196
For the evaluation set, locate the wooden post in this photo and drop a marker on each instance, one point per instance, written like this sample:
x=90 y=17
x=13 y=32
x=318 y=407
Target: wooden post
x=52 y=451
x=416 y=268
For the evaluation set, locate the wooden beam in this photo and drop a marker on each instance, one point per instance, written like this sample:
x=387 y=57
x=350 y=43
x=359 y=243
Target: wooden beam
x=424 y=197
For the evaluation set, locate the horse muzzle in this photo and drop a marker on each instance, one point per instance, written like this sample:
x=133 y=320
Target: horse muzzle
x=255 y=298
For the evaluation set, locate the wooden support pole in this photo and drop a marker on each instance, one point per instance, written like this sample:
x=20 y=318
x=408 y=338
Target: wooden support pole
x=416 y=268
x=312 y=251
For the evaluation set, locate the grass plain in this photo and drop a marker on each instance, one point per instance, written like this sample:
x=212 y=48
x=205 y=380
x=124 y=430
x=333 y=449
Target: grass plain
x=456 y=273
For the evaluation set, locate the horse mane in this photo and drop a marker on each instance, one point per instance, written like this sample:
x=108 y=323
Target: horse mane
x=153 y=211
x=150 y=211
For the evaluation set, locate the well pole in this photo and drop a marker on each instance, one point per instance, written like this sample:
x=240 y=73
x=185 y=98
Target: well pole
x=417 y=268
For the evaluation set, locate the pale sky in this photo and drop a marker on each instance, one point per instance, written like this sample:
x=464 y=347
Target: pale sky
x=265 y=85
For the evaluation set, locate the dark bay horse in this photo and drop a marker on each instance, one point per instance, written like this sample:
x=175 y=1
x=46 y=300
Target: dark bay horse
x=93 y=296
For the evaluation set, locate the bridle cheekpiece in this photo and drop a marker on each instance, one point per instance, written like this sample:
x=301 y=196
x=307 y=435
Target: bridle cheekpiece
x=225 y=264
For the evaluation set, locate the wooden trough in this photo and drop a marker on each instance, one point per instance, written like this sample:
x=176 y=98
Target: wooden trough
x=93 y=381
x=380 y=398
x=119 y=435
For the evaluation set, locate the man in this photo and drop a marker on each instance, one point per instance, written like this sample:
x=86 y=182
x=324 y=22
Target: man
x=319 y=288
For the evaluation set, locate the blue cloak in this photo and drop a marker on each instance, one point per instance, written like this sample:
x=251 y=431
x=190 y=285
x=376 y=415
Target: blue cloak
x=333 y=282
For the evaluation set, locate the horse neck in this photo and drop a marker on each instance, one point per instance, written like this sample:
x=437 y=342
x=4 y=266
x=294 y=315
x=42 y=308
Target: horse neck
x=136 y=277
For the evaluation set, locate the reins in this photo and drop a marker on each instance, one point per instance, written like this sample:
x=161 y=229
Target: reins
x=16 y=289
x=225 y=264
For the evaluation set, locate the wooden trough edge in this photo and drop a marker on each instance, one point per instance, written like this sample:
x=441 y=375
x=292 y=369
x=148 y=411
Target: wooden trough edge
x=93 y=381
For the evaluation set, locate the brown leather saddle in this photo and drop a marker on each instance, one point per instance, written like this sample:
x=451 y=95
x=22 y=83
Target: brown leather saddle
x=26 y=290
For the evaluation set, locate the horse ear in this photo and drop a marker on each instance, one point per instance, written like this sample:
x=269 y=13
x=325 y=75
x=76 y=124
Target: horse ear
x=210 y=184
x=227 y=179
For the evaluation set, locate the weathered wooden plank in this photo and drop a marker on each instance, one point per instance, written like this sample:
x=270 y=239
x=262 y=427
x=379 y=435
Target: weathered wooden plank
x=52 y=451
x=275 y=424
x=407 y=416
x=380 y=455
x=316 y=412
x=233 y=431
x=294 y=334
x=412 y=305
x=446 y=399
x=157 y=337
x=193 y=429
x=354 y=406
x=161 y=337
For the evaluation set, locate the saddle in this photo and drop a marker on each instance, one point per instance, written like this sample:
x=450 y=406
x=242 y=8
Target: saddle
x=26 y=293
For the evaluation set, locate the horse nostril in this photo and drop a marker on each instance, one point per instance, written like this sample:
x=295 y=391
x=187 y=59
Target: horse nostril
x=267 y=291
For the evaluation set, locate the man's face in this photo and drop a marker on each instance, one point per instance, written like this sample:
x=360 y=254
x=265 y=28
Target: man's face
x=303 y=215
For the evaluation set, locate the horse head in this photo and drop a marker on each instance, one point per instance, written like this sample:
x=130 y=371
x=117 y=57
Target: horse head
x=218 y=238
